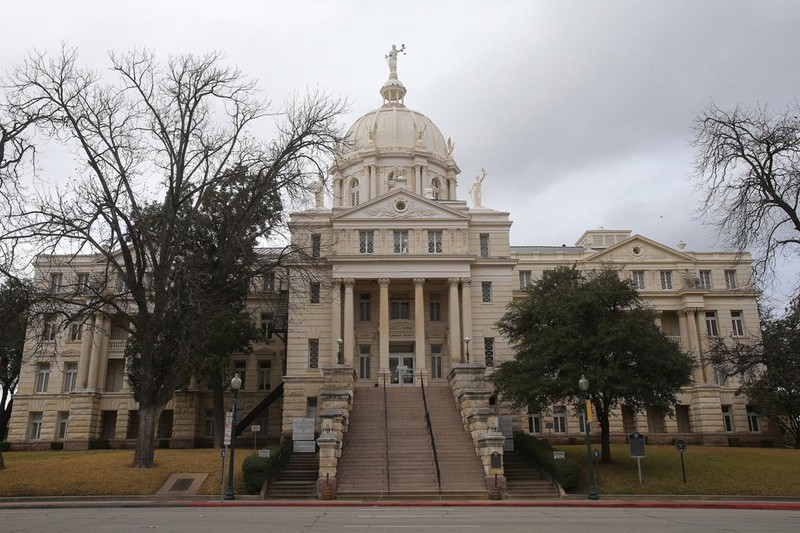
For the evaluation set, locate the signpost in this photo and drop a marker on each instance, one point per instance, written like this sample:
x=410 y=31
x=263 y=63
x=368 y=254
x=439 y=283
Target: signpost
x=255 y=428
x=636 y=446
x=680 y=444
x=226 y=442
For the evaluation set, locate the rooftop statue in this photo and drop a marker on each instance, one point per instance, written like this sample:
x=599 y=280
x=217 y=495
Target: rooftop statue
x=475 y=190
x=392 y=59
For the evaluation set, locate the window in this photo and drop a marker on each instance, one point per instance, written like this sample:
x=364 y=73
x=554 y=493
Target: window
x=55 y=281
x=752 y=420
x=264 y=375
x=267 y=325
x=122 y=285
x=364 y=311
x=49 y=332
x=70 y=376
x=737 y=325
x=484 y=243
x=435 y=307
x=535 y=424
x=730 y=279
x=62 y=428
x=705 y=279
x=35 y=426
x=559 y=419
x=42 y=377
x=269 y=282
x=628 y=420
x=435 y=188
x=666 y=279
x=486 y=291
x=75 y=331
x=436 y=361
x=399 y=309
x=354 y=197
x=364 y=359
x=434 y=242
x=366 y=242
x=316 y=245
x=711 y=324
x=83 y=283
x=582 y=423
x=638 y=279
x=682 y=419
x=401 y=242
x=314 y=292
x=524 y=279
x=241 y=368
x=209 y=424
x=488 y=351
x=727 y=419
x=313 y=353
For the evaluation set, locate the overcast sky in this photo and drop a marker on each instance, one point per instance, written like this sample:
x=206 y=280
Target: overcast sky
x=580 y=111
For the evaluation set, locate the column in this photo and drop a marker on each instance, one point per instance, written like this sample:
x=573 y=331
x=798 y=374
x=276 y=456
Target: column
x=87 y=333
x=693 y=344
x=466 y=312
x=419 y=325
x=98 y=339
x=383 y=328
x=349 y=331
x=454 y=319
x=336 y=318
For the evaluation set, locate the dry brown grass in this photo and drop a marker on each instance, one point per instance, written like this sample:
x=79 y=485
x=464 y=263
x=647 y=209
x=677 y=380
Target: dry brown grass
x=108 y=472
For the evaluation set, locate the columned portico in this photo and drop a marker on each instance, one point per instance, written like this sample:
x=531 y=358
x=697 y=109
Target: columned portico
x=383 y=327
x=688 y=317
x=455 y=326
x=419 y=325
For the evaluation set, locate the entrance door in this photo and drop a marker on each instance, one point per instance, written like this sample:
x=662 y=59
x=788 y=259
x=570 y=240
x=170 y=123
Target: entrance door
x=401 y=367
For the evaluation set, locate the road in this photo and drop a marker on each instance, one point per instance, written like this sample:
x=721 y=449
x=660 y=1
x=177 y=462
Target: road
x=373 y=519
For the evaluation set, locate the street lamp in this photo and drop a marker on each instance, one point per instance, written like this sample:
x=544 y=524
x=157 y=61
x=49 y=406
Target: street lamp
x=236 y=384
x=466 y=341
x=340 y=355
x=583 y=383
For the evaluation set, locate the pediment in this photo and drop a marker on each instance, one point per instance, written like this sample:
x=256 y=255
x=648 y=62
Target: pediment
x=637 y=249
x=400 y=204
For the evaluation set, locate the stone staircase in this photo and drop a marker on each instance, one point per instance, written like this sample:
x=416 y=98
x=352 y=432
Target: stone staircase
x=297 y=480
x=405 y=469
x=461 y=469
x=525 y=482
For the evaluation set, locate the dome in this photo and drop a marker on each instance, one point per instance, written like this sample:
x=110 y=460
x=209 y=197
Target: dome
x=396 y=127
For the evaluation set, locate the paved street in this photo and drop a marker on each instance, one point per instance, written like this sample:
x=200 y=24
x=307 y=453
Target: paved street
x=349 y=519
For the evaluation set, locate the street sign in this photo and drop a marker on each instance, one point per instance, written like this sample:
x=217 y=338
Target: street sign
x=228 y=428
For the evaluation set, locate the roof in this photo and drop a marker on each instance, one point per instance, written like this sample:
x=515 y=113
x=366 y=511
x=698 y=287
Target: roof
x=548 y=249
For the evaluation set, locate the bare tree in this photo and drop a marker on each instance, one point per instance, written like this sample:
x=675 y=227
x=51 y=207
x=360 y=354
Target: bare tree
x=748 y=167
x=153 y=144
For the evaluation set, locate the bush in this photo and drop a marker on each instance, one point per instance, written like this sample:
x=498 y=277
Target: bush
x=539 y=452
x=256 y=470
x=99 y=444
x=734 y=442
x=163 y=444
x=56 y=446
x=5 y=446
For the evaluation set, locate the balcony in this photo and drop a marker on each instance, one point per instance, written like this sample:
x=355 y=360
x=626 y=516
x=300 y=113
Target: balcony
x=117 y=345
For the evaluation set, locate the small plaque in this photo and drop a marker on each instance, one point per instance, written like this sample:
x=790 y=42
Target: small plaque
x=264 y=452
x=680 y=444
x=255 y=428
x=636 y=444
x=558 y=454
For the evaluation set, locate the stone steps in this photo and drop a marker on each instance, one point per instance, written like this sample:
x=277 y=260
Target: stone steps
x=297 y=480
x=524 y=482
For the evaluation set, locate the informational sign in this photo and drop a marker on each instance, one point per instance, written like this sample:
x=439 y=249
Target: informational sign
x=507 y=429
x=496 y=464
x=303 y=435
x=636 y=444
x=228 y=428
x=255 y=428
x=680 y=444
x=264 y=452
x=557 y=454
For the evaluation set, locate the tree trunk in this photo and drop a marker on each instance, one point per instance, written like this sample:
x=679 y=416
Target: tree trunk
x=5 y=413
x=2 y=461
x=605 y=437
x=146 y=438
x=219 y=415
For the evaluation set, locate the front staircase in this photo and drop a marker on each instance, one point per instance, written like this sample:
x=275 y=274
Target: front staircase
x=387 y=450
x=525 y=482
x=297 y=480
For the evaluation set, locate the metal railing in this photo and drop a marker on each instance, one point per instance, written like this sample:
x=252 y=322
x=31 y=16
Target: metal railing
x=430 y=433
x=386 y=435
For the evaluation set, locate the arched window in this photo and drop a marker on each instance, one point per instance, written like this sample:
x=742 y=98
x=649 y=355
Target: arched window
x=436 y=188
x=354 y=198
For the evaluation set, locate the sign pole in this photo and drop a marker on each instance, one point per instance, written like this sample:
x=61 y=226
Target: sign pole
x=639 y=464
x=222 y=488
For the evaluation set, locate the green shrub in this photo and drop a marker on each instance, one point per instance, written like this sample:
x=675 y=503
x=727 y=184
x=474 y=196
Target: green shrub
x=99 y=444
x=256 y=470
x=163 y=444
x=5 y=446
x=56 y=446
x=539 y=452
x=568 y=473
x=734 y=442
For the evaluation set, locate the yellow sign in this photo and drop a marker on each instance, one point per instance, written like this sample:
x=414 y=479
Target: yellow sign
x=588 y=411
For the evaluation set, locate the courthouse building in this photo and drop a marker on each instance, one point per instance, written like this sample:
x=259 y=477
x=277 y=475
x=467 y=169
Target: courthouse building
x=406 y=285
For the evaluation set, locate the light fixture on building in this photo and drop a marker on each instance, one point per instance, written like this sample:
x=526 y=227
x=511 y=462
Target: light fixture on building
x=340 y=354
x=466 y=341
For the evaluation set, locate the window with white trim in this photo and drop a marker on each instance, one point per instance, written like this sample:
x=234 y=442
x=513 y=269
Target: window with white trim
x=711 y=324
x=524 y=279
x=737 y=324
x=484 y=244
x=366 y=242
x=50 y=329
x=42 y=377
x=267 y=326
x=535 y=424
x=488 y=351
x=559 y=419
x=705 y=279
x=354 y=193
x=83 y=283
x=752 y=420
x=638 y=279
x=313 y=353
x=434 y=241
x=730 y=279
x=436 y=361
x=666 y=279
x=35 y=429
x=401 y=241
x=364 y=361
x=727 y=419
x=56 y=279
x=264 y=375
x=486 y=291
x=435 y=306
x=364 y=308
x=399 y=309
x=62 y=427
x=70 y=376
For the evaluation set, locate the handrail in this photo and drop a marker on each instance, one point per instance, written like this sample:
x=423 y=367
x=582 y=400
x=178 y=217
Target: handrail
x=430 y=433
x=386 y=435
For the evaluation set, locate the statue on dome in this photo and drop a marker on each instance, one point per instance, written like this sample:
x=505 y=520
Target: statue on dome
x=450 y=146
x=392 y=59
x=318 y=188
x=475 y=190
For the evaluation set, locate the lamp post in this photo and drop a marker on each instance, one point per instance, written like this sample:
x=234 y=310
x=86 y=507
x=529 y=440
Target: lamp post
x=583 y=383
x=339 y=354
x=236 y=384
x=466 y=341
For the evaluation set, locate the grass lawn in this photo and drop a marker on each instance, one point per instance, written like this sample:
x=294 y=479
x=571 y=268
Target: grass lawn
x=710 y=470
x=107 y=472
